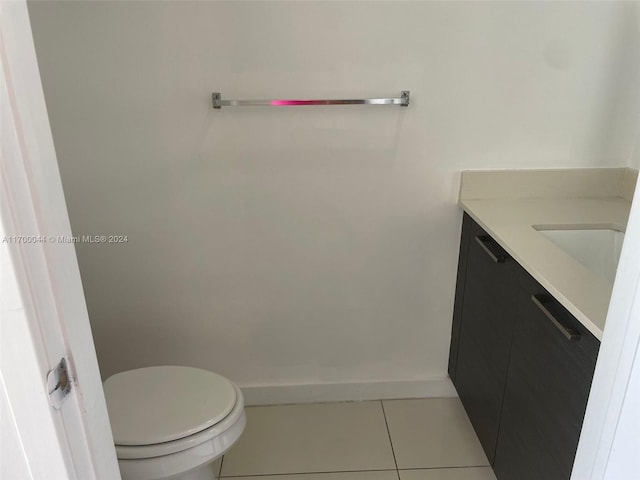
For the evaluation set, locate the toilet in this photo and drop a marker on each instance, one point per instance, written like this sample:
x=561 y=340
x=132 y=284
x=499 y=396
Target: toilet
x=171 y=422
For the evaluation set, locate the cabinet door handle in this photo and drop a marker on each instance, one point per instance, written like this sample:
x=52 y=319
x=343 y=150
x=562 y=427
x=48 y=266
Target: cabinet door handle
x=568 y=332
x=484 y=242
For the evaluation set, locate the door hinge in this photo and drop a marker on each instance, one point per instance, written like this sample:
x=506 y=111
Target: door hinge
x=59 y=383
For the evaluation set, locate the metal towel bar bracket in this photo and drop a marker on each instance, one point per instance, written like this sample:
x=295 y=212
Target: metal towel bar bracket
x=403 y=101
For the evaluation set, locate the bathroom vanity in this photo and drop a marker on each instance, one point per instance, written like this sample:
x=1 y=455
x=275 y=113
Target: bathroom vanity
x=530 y=309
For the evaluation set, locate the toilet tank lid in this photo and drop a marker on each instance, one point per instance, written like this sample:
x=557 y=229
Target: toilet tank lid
x=159 y=404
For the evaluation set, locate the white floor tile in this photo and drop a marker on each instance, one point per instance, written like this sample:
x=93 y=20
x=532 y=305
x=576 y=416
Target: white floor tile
x=388 y=475
x=432 y=432
x=482 y=473
x=327 y=437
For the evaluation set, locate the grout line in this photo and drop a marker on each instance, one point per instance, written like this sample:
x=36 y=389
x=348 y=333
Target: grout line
x=395 y=461
x=220 y=470
x=445 y=468
x=324 y=402
x=366 y=400
x=309 y=473
x=266 y=475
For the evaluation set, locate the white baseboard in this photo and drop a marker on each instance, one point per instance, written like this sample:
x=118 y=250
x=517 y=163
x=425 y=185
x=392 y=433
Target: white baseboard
x=345 y=392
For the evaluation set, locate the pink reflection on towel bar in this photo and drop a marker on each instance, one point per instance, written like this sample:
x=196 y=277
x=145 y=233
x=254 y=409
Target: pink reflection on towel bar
x=281 y=103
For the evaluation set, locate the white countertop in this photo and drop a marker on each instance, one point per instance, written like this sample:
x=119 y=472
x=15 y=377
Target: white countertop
x=510 y=222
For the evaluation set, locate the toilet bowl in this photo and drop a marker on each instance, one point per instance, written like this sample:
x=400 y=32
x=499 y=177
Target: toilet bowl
x=171 y=422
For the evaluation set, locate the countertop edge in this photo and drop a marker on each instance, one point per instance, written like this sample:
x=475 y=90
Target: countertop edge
x=574 y=309
x=514 y=206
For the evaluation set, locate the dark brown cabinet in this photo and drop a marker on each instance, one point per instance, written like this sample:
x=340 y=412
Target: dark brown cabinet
x=486 y=310
x=521 y=363
x=550 y=371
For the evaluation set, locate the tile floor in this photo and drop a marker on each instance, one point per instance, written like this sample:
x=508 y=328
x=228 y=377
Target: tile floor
x=421 y=439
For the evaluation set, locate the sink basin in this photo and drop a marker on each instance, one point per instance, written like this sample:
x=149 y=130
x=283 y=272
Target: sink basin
x=598 y=249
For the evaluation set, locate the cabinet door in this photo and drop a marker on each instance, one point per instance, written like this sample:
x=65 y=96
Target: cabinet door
x=467 y=226
x=550 y=371
x=488 y=307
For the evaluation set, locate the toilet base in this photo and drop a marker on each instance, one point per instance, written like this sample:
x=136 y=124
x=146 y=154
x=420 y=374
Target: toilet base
x=205 y=472
x=172 y=467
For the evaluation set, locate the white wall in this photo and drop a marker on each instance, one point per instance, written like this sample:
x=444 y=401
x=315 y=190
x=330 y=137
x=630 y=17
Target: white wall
x=635 y=158
x=309 y=245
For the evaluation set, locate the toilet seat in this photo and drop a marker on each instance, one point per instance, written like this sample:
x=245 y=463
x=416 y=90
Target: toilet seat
x=164 y=409
x=226 y=432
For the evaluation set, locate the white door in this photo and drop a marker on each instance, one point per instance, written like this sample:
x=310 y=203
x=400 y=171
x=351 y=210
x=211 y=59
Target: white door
x=609 y=447
x=44 y=316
